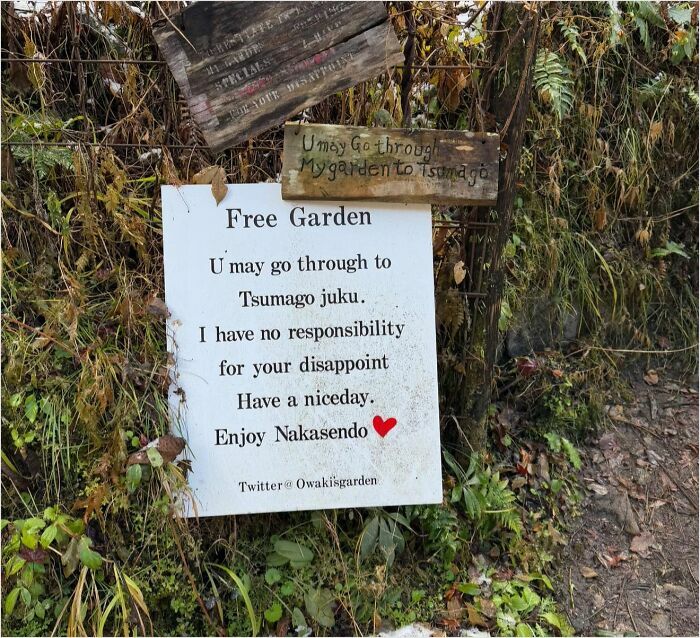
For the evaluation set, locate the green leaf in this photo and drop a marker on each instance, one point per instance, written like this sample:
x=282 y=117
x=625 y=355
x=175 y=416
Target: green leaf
x=680 y=13
x=273 y=576
x=30 y=532
x=294 y=551
x=558 y=621
x=69 y=558
x=369 y=537
x=26 y=596
x=298 y=620
x=31 y=408
x=14 y=565
x=133 y=477
x=571 y=453
x=275 y=559
x=273 y=613
x=154 y=457
x=471 y=589
x=287 y=588
x=48 y=536
x=11 y=601
x=554 y=441
x=552 y=79
x=91 y=559
x=319 y=604
x=39 y=610
x=671 y=248
x=522 y=629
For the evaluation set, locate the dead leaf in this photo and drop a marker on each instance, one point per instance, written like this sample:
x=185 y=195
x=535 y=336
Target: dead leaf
x=518 y=482
x=587 y=572
x=543 y=467
x=168 y=446
x=92 y=502
x=218 y=185
x=612 y=560
x=615 y=412
x=206 y=175
x=216 y=176
x=599 y=489
x=474 y=617
x=600 y=218
x=459 y=272
x=454 y=608
x=641 y=544
x=488 y=607
x=643 y=236
x=655 y=130
x=651 y=377
x=283 y=626
x=157 y=307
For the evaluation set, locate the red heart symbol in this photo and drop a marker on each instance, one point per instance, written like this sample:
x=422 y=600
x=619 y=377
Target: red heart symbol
x=382 y=427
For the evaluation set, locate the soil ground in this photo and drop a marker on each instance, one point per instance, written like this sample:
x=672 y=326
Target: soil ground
x=631 y=563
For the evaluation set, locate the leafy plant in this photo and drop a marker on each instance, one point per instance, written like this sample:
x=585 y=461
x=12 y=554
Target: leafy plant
x=553 y=82
x=671 y=248
x=486 y=498
x=29 y=550
x=571 y=33
x=382 y=533
x=289 y=552
x=558 y=443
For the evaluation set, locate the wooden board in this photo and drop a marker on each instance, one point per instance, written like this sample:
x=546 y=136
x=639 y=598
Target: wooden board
x=322 y=161
x=246 y=67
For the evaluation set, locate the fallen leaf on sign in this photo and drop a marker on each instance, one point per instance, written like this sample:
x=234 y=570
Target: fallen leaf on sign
x=218 y=185
x=641 y=544
x=459 y=272
x=651 y=377
x=216 y=176
x=587 y=572
x=206 y=175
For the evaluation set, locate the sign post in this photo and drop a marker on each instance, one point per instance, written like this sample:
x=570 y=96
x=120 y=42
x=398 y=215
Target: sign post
x=304 y=341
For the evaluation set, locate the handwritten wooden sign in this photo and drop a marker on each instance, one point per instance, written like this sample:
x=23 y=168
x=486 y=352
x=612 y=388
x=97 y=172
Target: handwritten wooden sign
x=245 y=67
x=397 y=165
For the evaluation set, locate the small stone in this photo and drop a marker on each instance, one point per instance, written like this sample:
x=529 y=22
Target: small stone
x=662 y=622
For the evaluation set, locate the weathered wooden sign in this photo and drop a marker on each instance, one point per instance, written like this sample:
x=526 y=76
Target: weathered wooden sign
x=322 y=161
x=304 y=342
x=245 y=67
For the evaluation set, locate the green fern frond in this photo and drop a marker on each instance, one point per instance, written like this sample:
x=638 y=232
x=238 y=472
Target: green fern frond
x=571 y=33
x=552 y=79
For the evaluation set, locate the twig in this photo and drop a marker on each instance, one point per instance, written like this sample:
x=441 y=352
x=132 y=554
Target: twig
x=617 y=605
x=629 y=611
x=407 y=75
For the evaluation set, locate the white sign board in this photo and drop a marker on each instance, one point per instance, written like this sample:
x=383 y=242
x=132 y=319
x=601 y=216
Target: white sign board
x=304 y=342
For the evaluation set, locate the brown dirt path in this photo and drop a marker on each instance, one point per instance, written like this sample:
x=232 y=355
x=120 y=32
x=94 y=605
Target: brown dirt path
x=631 y=564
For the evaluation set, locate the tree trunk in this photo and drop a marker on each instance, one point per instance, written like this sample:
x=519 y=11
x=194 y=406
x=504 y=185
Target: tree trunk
x=516 y=49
